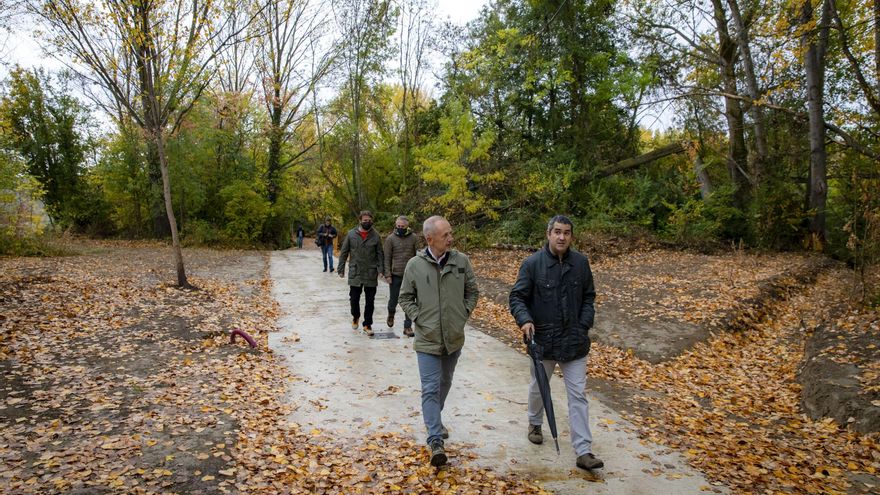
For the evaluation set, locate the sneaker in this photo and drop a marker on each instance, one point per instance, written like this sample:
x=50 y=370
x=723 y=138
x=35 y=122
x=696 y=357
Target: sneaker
x=354 y=324
x=535 y=435
x=368 y=330
x=438 y=455
x=589 y=461
x=409 y=332
x=444 y=432
x=390 y=321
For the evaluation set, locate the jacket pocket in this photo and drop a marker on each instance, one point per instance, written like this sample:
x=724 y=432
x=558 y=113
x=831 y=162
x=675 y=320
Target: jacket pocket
x=547 y=290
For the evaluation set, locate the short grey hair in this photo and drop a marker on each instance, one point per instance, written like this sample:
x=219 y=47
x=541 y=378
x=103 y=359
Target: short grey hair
x=430 y=225
x=559 y=219
x=402 y=217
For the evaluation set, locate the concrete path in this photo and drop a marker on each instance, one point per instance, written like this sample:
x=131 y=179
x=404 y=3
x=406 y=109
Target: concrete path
x=350 y=384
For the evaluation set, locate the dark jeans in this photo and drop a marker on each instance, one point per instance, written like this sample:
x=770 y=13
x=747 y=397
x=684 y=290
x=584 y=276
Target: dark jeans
x=354 y=294
x=327 y=254
x=396 y=282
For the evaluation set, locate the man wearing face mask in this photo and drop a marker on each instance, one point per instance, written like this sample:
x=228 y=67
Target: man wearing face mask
x=400 y=246
x=366 y=265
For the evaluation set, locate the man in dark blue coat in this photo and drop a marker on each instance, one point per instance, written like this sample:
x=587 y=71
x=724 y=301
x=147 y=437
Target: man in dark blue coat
x=553 y=302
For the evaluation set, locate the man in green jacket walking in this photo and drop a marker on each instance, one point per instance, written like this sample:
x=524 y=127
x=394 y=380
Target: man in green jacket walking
x=367 y=264
x=438 y=293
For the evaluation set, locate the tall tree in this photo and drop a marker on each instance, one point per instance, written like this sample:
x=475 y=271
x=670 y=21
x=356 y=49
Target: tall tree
x=415 y=31
x=172 y=45
x=366 y=27
x=45 y=125
x=814 y=40
x=286 y=50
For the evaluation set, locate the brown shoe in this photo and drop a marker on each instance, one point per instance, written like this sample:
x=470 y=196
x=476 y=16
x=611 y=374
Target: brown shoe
x=368 y=330
x=354 y=324
x=390 y=321
x=409 y=332
x=589 y=461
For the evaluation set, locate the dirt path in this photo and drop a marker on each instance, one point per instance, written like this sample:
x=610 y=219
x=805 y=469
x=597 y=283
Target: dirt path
x=351 y=385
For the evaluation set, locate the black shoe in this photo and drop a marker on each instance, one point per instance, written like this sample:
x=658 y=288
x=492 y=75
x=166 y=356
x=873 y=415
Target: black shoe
x=438 y=455
x=444 y=432
x=409 y=332
x=331 y=270
x=589 y=461
x=390 y=321
x=325 y=269
x=535 y=435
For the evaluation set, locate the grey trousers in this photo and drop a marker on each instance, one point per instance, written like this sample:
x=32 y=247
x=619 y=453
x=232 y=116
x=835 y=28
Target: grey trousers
x=436 y=375
x=574 y=374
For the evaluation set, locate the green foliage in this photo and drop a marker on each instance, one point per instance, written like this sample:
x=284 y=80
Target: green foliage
x=451 y=162
x=619 y=204
x=45 y=125
x=778 y=219
x=123 y=177
x=22 y=219
x=245 y=211
x=702 y=224
x=200 y=232
x=854 y=224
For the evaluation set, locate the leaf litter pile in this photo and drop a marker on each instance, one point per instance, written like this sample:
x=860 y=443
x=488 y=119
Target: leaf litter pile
x=730 y=404
x=116 y=381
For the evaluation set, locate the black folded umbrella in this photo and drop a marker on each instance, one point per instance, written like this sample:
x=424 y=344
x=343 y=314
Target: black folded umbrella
x=537 y=354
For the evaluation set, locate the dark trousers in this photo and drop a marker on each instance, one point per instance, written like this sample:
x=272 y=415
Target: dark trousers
x=396 y=282
x=354 y=294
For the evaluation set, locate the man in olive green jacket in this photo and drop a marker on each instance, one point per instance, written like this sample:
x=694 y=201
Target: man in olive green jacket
x=366 y=265
x=438 y=294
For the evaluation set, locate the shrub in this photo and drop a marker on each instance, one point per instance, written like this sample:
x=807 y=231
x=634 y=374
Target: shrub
x=245 y=212
x=200 y=233
x=701 y=224
x=22 y=215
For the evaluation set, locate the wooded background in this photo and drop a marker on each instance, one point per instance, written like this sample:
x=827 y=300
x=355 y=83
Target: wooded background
x=232 y=121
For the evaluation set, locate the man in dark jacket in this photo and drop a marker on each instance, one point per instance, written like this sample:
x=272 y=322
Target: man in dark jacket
x=326 y=234
x=362 y=243
x=400 y=246
x=552 y=302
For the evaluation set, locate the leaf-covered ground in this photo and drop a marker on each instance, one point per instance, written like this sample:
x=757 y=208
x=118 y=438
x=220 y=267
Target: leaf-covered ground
x=115 y=381
x=733 y=403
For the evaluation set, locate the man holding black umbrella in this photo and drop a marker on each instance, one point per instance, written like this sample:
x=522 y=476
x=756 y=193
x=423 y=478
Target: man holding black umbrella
x=552 y=302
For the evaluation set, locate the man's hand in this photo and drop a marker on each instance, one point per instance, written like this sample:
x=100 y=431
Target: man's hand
x=528 y=331
x=388 y=279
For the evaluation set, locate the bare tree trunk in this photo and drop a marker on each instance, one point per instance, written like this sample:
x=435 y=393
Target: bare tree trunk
x=166 y=189
x=814 y=65
x=751 y=80
x=356 y=152
x=737 y=155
